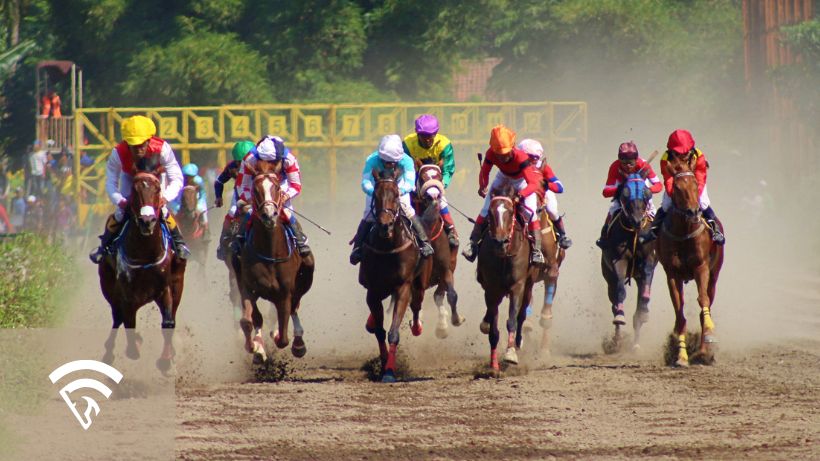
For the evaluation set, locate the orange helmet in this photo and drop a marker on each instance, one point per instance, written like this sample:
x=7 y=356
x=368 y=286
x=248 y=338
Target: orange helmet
x=502 y=140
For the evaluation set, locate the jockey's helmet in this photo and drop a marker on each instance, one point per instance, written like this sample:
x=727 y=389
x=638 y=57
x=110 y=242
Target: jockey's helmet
x=502 y=140
x=270 y=149
x=533 y=148
x=680 y=142
x=427 y=125
x=241 y=149
x=628 y=151
x=137 y=129
x=190 y=169
x=391 y=149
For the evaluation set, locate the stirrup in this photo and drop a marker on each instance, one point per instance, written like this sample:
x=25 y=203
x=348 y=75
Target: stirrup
x=536 y=257
x=564 y=242
x=220 y=253
x=471 y=252
x=426 y=249
x=304 y=249
x=97 y=255
x=182 y=251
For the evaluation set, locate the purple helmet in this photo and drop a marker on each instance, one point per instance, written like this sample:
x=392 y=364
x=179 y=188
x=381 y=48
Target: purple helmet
x=427 y=125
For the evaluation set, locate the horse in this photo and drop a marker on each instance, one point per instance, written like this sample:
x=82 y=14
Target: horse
x=232 y=225
x=687 y=252
x=627 y=257
x=439 y=269
x=547 y=273
x=390 y=258
x=190 y=224
x=144 y=268
x=503 y=269
x=269 y=267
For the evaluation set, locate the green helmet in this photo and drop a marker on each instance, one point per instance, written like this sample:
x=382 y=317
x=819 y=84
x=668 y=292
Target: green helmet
x=241 y=149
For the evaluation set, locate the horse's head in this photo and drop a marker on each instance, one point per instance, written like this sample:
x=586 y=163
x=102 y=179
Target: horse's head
x=146 y=201
x=685 y=197
x=190 y=194
x=267 y=200
x=430 y=187
x=502 y=218
x=634 y=198
x=386 y=201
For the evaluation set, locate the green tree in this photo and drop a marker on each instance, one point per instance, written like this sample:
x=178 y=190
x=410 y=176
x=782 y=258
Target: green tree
x=802 y=80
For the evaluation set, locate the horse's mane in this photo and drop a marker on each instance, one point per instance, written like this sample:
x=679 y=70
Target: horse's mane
x=508 y=190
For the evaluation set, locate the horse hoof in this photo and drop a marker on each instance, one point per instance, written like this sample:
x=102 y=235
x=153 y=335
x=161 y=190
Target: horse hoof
x=164 y=365
x=485 y=327
x=132 y=353
x=458 y=320
x=441 y=330
x=710 y=339
x=682 y=363
x=108 y=358
x=636 y=347
x=511 y=356
x=416 y=329
x=298 y=349
x=546 y=323
x=370 y=325
x=527 y=327
x=259 y=358
x=389 y=377
x=619 y=319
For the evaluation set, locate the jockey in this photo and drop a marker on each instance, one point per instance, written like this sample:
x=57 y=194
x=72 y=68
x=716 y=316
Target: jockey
x=681 y=145
x=190 y=177
x=230 y=172
x=272 y=149
x=551 y=186
x=389 y=156
x=139 y=146
x=629 y=161
x=426 y=146
x=515 y=168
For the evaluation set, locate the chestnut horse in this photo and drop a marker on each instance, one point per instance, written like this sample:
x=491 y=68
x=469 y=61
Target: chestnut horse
x=143 y=268
x=439 y=269
x=268 y=267
x=389 y=264
x=190 y=224
x=687 y=252
x=628 y=257
x=503 y=270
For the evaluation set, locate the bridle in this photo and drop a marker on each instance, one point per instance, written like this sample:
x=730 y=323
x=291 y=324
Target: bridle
x=275 y=202
x=147 y=178
x=393 y=213
x=691 y=217
x=501 y=198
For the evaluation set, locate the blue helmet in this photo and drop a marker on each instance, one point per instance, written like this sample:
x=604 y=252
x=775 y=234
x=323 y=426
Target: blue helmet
x=190 y=169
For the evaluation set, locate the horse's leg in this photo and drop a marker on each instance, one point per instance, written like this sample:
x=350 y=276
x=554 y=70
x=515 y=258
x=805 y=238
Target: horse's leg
x=526 y=300
x=438 y=297
x=676 y=293
x=492 y=300
x=374 y=303
x=283 y=310
x=167 y=310
x=707 y=326
x=619 y=293
x=134 y=339
x=298 y=349
x=550 y=288
x=516 y=297
x=116 y=316
x=642 y=311
x=452 y=298
x=416 y=299
x=402 y=299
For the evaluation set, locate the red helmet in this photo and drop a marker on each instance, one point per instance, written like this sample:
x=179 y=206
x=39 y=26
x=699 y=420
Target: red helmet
x=680 y=142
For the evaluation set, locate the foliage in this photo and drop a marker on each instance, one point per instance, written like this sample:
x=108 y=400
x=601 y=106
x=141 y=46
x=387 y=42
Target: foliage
x=32 y=273
x=802 y=80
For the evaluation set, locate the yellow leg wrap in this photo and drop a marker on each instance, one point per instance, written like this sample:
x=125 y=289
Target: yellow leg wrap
x=708 y=324
x=172 y=223
x=682 y=355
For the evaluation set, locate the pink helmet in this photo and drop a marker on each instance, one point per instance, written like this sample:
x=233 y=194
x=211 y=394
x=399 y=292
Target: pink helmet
x=628 y=151
x=427 y=125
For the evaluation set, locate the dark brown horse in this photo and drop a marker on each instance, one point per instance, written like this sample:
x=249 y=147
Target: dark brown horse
x=548 y=273
x=687 y=252
x=143 y=269
x=503 y=270
x=190 y=224
x=389 y=262
x=227 y=238
x=439 y=269
x=269 y=268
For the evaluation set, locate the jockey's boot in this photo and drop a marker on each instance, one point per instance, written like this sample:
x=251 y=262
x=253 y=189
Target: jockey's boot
x=223 y=236
x=711 y=219
x=657 y=221
x=301 y=238
x=536 y=256
x=358 y=241
x=112 y=228
x=563 y=241
x=424 y=248
x=450 y=230
x=471 y=252
x=180 y=247
x=602 y=241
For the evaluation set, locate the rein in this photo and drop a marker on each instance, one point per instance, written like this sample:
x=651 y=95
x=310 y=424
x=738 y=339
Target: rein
x=124 y=260
x=394 y=214
x=701 y=223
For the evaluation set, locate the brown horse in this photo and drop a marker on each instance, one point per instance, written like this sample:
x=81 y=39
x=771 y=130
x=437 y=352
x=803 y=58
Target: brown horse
x=231 y=226
x=268 y=267
x=190 y=224
x=389 y=262
x=504 y=270
x=687 y=252
x=548 y=273
x=143 y=269
x=439 y=269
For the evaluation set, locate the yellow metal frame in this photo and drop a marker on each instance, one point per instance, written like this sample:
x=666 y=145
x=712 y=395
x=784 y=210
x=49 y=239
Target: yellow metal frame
x=329 y=126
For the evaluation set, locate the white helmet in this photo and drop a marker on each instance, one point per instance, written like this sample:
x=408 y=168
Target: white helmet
x=532 y=147
x=390 y=148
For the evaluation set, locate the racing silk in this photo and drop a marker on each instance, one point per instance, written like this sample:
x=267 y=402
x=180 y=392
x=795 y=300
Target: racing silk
x=201 y=198
x=120 y=170
x=290 y=179
x=225 y=176
x=440 y=151
x=549 y=181
x=407 y=180
x=520 y=166
x=616 y=177
x=701 y=165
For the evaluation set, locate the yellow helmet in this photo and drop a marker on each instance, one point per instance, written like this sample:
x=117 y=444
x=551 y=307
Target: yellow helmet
x=138 y=129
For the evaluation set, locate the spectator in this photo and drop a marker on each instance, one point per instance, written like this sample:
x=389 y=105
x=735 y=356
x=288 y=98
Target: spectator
x=38 y=166
x=85 y=160
x=18 y=209
x=5 y=224
x=50 y=105
x=34 y=214
x=4 y=183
